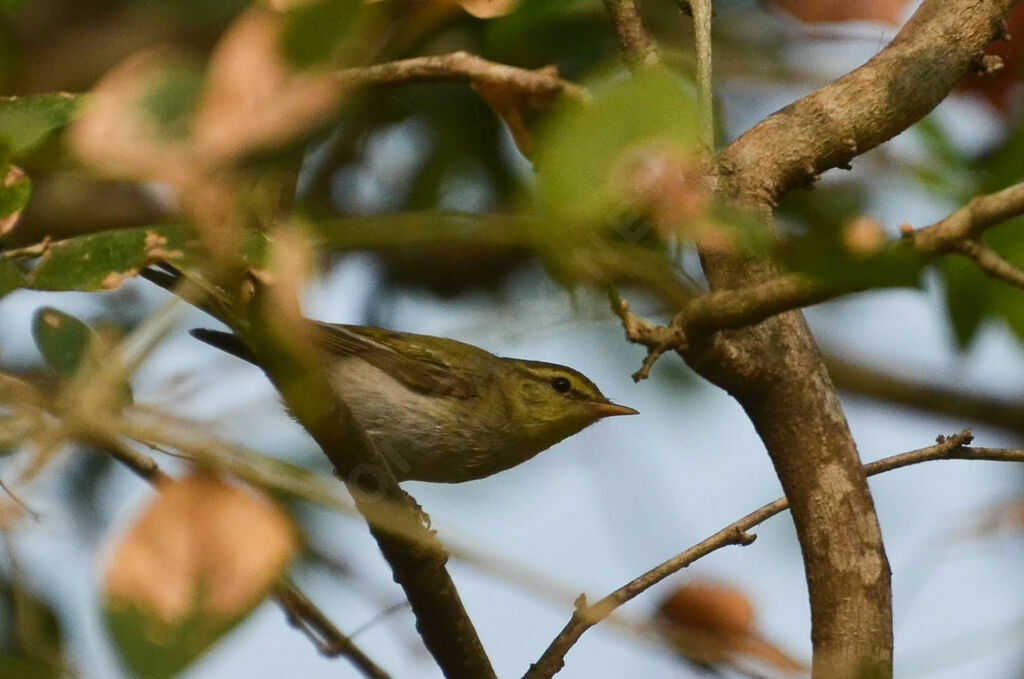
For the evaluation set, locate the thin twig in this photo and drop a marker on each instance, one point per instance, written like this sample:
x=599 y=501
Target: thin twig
x=741 y=307
x=992 y=263
x=329 y=640
x=701 y=12
x=638 y=46
x=586 y=615
x=34 y=515
x=462 y=66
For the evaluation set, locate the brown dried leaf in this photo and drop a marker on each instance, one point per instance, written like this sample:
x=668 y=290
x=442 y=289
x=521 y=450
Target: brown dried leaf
x=511 y=107
x=668 y=182
x=710 y=606
x=1007 y=517
x=202 y=547
x=253 y=98
x=712 y=624
x=115 y=134
x=485 y=9
x=827 y=11
x=864 y=236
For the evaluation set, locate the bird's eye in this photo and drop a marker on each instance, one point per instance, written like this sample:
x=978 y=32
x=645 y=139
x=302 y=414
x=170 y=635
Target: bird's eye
x=561 y=385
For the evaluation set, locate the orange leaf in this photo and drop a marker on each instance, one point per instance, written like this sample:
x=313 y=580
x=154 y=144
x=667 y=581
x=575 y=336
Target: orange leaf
x=202 y=546
x=253 y=98
x=712 y=624
x=825 y=11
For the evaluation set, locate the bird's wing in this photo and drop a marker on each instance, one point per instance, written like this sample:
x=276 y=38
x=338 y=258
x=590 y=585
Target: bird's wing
x=411 y=363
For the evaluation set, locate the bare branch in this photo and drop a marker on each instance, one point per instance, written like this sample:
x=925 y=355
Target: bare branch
x=585 y=615
x=744 y=306
x=992 y=263
x=701 y=12
x=980 y=214
x=462 y=66
x=328 y=639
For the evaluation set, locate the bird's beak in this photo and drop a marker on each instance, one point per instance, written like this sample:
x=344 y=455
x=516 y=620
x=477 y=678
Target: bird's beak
x=611 y=409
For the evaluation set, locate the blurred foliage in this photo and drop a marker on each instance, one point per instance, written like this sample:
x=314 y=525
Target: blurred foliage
x=957 y=176
x=183 y=574
x=587 y=151
x=31 y=637
x=102 y=261
x=63 y=340
x=26 y=122
x=827 y=236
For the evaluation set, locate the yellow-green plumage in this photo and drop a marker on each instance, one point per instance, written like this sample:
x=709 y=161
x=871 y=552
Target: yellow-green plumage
x=446 y=411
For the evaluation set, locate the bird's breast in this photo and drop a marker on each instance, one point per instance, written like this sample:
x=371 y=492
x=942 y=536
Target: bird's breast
x=423 y=436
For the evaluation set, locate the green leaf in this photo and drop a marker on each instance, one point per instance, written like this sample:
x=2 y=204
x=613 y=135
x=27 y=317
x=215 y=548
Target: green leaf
x=171 y=99
x=324 y=31
x=31 y=636
x=25 y=122
x=156 y=651
x=18 y=667
x=11 y=277
x=15 y=190
x=581 y=158
x=968 y=298
x=102 y=261
x=63 y=340
x=1007 y=301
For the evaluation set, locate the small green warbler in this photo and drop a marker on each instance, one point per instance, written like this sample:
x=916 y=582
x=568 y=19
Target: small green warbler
x=445 y=411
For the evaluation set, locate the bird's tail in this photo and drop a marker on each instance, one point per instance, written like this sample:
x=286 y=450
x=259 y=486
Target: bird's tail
x=225 y=341
x=193 y=289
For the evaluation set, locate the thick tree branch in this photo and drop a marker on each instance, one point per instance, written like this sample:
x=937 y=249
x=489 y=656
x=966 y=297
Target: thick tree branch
x=774 y=369
x=940 y=43
x=587 y=615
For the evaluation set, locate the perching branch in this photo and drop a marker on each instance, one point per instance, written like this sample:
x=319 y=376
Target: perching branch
x=292 y=363
x=586 y=615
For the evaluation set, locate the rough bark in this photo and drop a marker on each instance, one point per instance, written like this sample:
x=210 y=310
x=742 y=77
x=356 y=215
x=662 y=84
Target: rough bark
x=774 y=369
